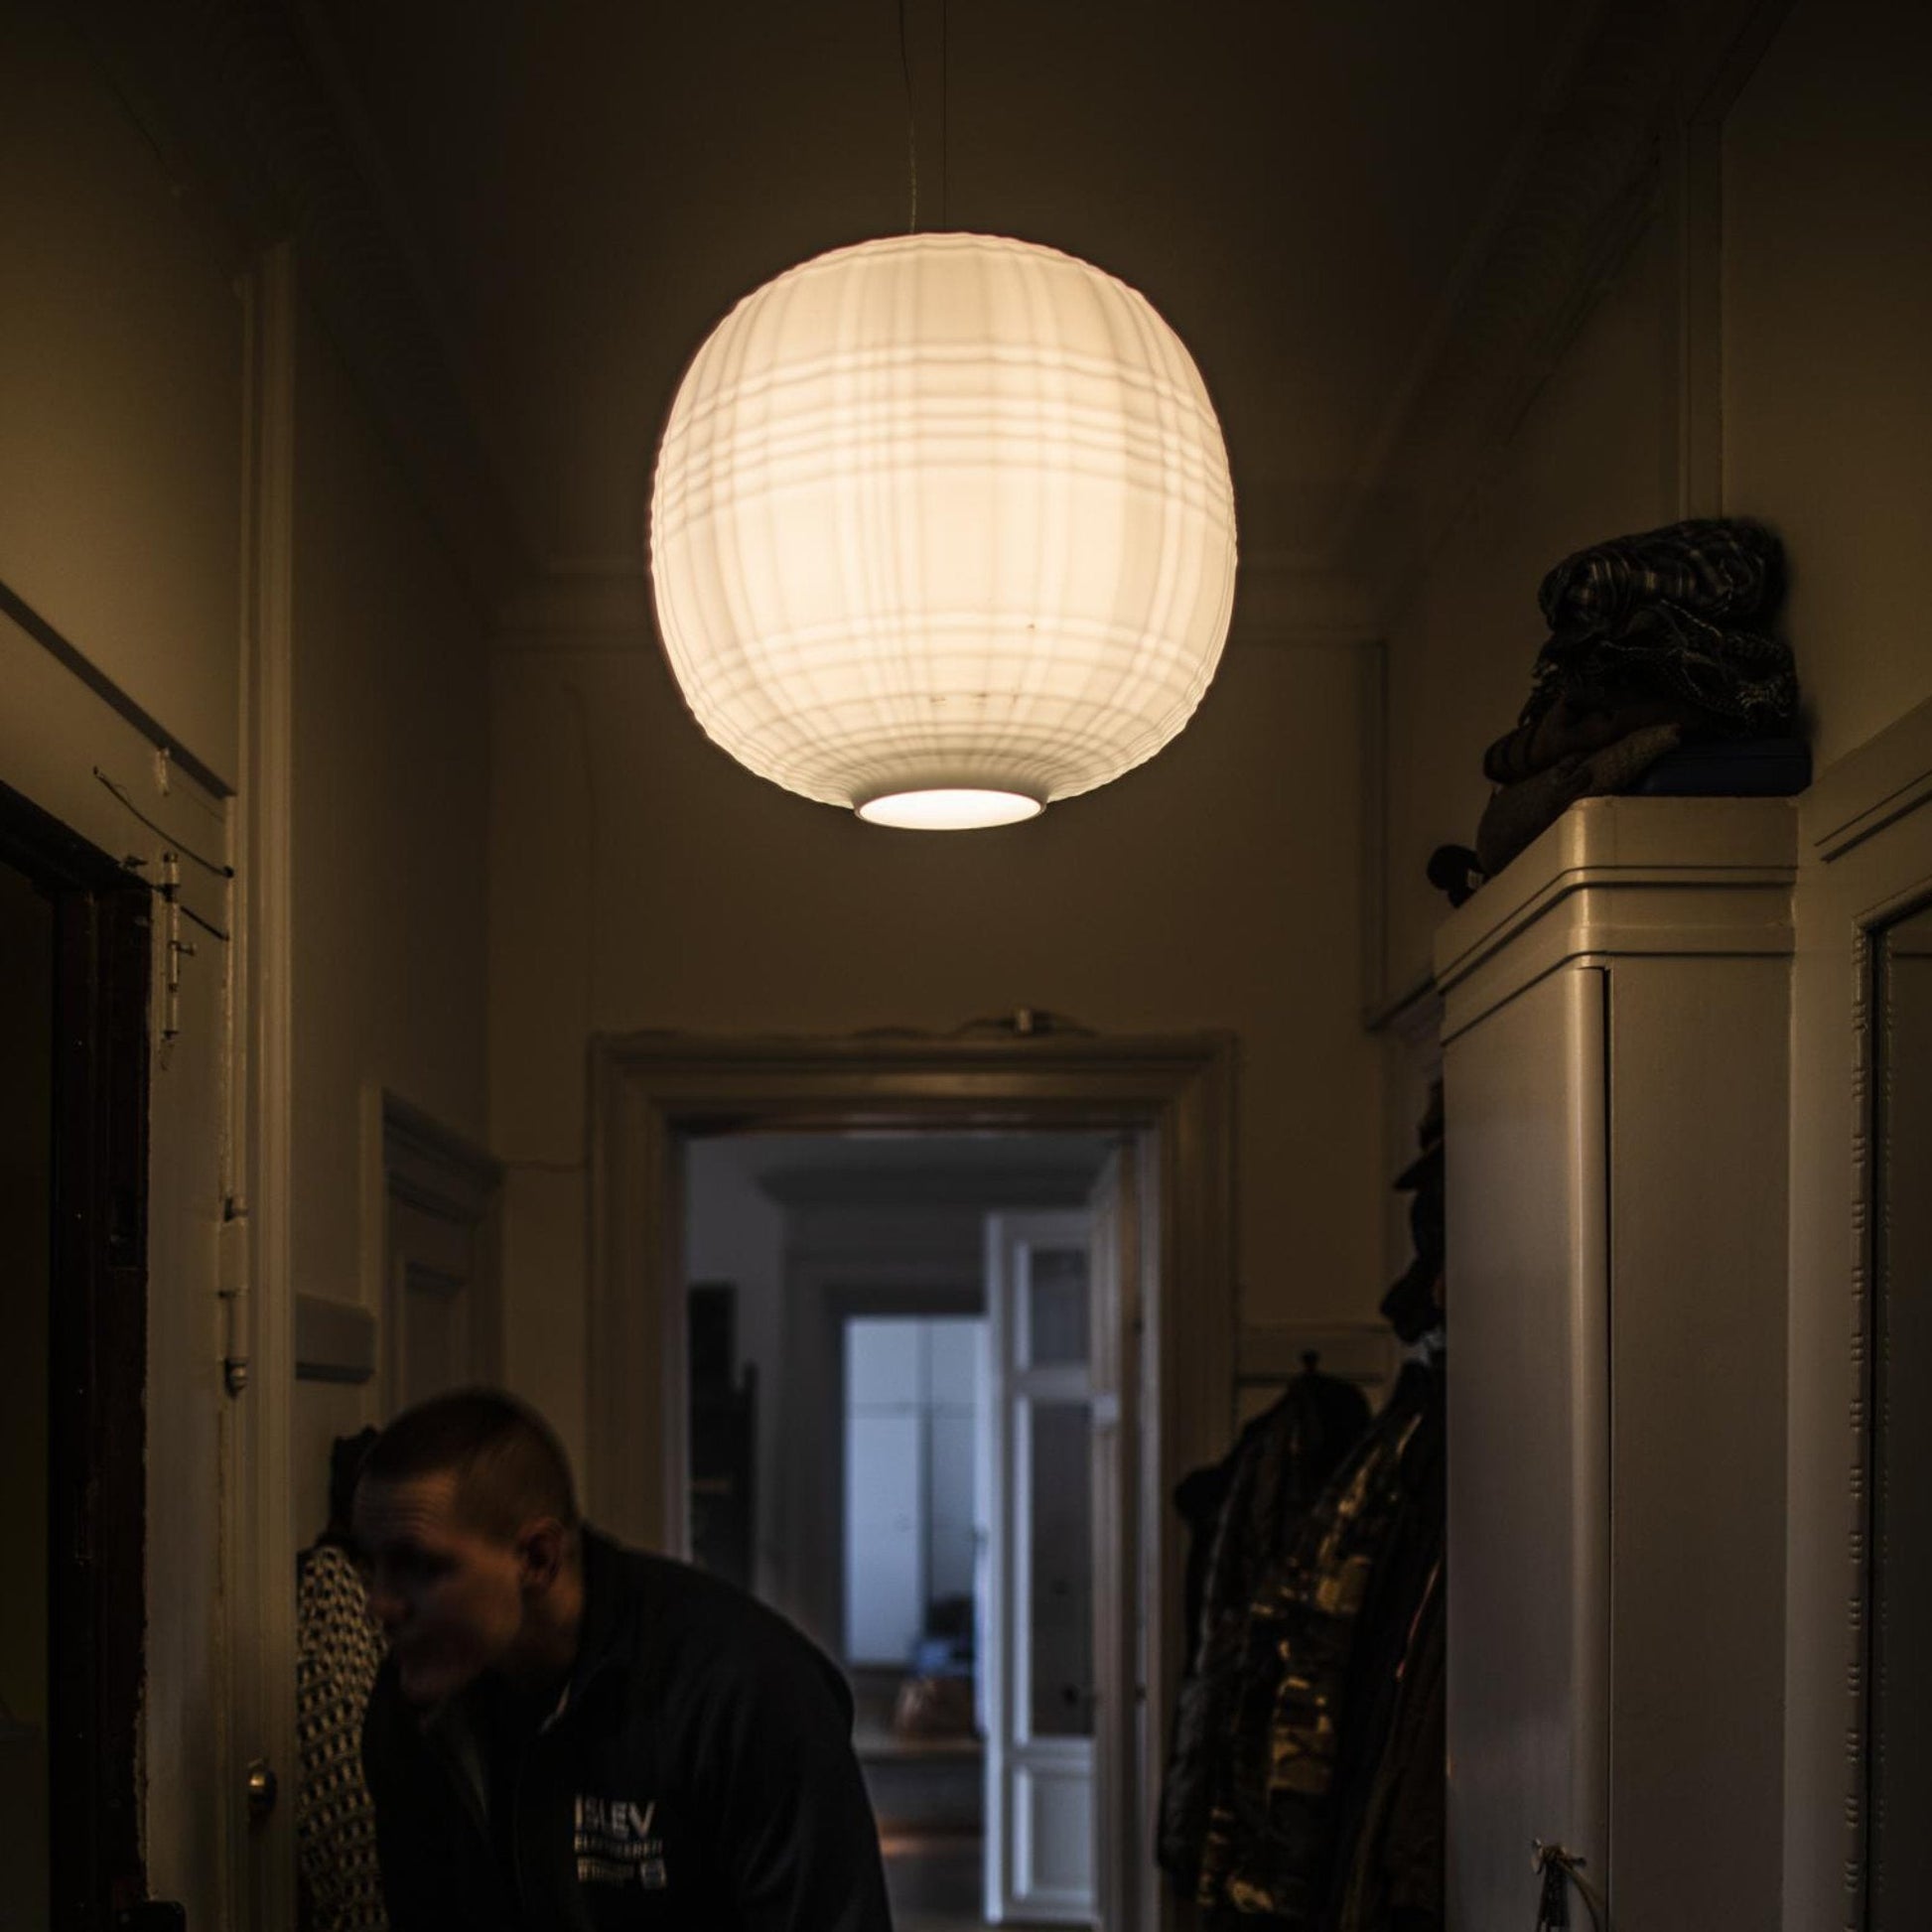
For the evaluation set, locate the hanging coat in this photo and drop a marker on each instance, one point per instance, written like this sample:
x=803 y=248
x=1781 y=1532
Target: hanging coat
x=1246 y=1513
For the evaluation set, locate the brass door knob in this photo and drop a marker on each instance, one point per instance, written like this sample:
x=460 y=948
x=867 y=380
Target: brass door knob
x=262 y=1789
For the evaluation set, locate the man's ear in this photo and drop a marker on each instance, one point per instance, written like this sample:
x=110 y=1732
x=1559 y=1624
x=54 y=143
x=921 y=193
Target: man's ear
x=542 y=1549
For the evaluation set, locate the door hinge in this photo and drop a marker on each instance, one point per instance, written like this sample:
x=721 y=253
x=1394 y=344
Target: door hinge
x=231 y=1290
x=174 y=948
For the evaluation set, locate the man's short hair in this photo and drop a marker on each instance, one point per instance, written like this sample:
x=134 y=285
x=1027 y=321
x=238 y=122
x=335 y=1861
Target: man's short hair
x=510 y=1467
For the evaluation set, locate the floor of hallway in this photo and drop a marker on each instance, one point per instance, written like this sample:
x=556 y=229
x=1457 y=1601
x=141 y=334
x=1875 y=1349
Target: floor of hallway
x=933 y=1881
x=927 y=1796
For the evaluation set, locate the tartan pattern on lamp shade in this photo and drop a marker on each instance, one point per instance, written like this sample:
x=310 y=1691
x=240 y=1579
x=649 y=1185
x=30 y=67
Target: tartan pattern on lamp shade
x=937 y=512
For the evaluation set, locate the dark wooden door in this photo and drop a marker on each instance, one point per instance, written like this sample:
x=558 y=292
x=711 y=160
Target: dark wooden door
x=97 y=923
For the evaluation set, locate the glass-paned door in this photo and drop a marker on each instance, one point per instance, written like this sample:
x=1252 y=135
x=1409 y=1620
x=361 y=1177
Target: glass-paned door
x=1039 y=1796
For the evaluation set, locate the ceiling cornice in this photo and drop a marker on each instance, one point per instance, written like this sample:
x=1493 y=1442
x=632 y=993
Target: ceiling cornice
x=244 y=102
x=234 y=98
x=1584 y=180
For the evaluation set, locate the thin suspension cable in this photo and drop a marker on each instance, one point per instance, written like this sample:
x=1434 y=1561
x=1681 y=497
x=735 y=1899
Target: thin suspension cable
x=945 y=111
x=911 y=126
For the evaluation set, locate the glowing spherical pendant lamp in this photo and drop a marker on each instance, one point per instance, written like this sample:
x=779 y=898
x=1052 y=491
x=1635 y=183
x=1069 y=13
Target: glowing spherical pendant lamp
x=943 y=530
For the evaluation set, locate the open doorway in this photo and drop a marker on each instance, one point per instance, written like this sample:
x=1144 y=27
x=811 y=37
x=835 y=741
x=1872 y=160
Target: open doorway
x=75 y=964
x=25 y=1227
x=1155 y=1402
x=891 y=1440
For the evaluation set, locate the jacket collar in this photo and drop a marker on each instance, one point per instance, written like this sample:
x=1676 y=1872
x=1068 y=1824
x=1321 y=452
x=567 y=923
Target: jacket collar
x=611 y=1603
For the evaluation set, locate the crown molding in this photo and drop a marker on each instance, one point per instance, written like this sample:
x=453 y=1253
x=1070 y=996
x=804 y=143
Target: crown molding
x=1589 y=172
x=237 y=102
x=248 y=108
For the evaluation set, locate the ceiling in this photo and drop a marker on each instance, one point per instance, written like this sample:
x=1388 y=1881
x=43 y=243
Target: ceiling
x=910 y=1169
x=582 y=191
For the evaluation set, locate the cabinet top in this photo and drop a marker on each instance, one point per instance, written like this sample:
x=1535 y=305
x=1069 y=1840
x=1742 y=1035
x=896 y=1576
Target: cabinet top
x=1628 y=875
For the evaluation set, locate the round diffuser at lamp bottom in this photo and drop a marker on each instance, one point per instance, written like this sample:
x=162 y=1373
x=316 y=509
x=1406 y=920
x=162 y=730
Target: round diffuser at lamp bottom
x=958 y=808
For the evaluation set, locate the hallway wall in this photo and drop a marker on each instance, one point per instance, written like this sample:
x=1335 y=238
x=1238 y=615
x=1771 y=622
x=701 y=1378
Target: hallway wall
x=125 y=526
x=389 y=753
x=642 y=880
x=391 y=737
x=121 y=385
x=1817 y=376
x=1828 y=308
x=1757 y=351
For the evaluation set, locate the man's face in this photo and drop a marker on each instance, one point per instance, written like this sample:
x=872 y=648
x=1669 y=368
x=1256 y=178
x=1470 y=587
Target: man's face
x=450 y=1600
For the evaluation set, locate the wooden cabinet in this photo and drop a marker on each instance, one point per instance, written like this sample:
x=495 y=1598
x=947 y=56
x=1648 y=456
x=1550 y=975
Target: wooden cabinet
x=1616 y=1022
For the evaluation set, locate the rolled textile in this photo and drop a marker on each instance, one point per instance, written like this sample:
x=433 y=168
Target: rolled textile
x=1674 y=612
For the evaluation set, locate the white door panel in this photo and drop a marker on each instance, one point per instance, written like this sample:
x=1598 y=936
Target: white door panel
x=1054 y=1839
x=1040 y=1670
x=1529 y=1508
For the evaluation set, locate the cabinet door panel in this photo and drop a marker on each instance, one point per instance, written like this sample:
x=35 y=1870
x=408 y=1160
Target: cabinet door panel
x=1528 y=1468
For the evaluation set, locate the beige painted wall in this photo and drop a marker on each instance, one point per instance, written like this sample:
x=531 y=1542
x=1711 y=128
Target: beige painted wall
x=120 y=523
x=1824 y=392
x=122 y=397
x=120 y=394
x=389 y=804
x=642 y=880
x=391 y=788
x=1586 y=462
x=1827 y=414
x=1828 y=314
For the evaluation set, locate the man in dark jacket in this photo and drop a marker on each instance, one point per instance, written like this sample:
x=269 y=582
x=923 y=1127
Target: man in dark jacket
x=570 y=1734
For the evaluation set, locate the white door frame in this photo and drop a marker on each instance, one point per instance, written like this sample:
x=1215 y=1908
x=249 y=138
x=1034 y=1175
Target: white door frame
x=1172 y=1096
x=1023 y=1770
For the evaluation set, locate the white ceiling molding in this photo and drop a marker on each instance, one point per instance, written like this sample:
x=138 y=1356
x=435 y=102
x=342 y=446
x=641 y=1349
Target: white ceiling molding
x=232 y=98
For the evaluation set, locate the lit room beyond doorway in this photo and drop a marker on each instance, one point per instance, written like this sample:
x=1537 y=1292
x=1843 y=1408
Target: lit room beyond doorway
x=890 y=1343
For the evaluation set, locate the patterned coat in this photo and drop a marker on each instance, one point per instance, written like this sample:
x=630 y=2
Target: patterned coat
x=339 y=1647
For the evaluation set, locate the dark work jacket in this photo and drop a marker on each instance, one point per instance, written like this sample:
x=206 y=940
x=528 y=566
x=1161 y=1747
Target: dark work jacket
x=697 y=1776
x=1274 y=1831
x=1245 y=1513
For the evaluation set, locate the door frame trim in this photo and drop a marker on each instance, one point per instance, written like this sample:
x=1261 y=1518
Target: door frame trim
x=648 y=1091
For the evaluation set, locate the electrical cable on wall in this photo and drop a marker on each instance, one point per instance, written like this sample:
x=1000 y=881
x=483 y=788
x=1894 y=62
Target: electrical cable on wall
x=161 y=831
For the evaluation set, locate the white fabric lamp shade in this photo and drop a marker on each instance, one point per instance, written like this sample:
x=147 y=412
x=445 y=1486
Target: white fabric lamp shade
x=943 y=530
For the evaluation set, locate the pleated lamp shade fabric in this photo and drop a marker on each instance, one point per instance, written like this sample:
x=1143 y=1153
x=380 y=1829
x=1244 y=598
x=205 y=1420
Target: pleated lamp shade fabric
x=943 y=530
